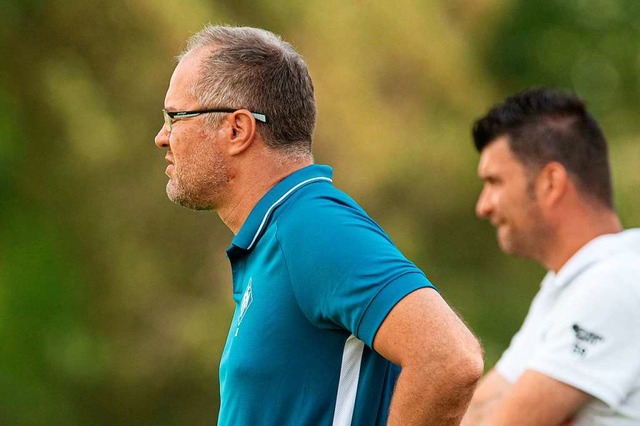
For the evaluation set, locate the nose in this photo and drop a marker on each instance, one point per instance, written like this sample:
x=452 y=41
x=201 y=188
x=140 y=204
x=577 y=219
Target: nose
x=483 y=205
x=162 y=138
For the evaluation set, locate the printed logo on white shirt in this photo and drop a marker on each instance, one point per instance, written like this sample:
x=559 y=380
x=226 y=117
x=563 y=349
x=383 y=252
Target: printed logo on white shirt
x=584 y=340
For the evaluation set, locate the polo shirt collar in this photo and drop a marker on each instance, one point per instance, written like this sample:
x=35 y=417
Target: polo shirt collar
x=259 y=218
x=595 y=250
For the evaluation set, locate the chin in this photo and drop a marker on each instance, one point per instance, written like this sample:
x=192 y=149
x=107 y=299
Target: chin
x=190 y=204
x=189 y=196
x=507 y=245
x=184 y=200
x=516 y=249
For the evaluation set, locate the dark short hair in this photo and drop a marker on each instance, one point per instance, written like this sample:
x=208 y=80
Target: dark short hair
x=255 y=69
x=543 y=125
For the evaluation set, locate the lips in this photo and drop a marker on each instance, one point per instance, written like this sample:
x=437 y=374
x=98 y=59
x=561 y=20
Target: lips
x=496 y=221
x=169 y=168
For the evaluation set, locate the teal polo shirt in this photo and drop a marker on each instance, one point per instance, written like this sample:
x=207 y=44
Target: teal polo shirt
x=314 y=277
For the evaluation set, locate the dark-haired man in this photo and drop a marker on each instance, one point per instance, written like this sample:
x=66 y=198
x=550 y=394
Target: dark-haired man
x=547 y=190
x=333 y=326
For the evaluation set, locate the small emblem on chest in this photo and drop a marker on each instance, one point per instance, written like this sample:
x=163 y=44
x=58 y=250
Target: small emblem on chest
x=247 y=298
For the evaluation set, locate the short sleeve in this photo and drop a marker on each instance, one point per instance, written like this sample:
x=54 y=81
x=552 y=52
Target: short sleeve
x=592 y=341
x=515 y=359
x=345 y=271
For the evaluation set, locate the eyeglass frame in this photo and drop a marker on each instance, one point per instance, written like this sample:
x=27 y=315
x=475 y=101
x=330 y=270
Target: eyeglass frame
x=171 y=116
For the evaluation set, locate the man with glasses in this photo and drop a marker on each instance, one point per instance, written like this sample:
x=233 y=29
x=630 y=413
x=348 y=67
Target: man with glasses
x=333 y=325
x=547 y=190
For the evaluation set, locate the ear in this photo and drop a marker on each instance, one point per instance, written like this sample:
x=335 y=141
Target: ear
x=552 y=183
x=241 y=131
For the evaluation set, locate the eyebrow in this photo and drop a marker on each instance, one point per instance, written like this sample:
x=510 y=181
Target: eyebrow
x=171 y=107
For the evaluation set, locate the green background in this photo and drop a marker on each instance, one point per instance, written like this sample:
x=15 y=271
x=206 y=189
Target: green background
x=114 y=302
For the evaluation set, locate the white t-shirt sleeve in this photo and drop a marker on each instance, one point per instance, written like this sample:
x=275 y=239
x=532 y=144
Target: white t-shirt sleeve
x=516 y=358
x=593 y=340
x=512 y=363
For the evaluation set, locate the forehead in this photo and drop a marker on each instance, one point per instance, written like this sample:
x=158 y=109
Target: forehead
x=183 y=78
x=497 y=157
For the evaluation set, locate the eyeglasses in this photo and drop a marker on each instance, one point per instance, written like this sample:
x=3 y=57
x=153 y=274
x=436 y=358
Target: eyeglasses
x=170 y=117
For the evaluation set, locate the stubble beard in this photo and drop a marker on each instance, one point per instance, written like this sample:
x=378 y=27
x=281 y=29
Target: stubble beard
x=527 y=243
x=200 y=189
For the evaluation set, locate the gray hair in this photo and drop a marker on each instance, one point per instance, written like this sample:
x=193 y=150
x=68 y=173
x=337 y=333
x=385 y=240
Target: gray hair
x=255 y=69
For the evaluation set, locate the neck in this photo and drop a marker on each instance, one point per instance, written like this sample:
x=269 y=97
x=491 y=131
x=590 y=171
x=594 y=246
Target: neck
x=576 y=231
x=250 y=183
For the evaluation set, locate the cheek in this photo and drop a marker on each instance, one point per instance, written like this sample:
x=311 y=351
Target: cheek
x=194 y=151
x=174 y=145
x=181 y=148
x=510 y=197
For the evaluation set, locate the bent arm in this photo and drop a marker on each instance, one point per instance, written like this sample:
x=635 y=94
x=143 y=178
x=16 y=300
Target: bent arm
x=441 y=360
x=536 y=399
x=489 y=394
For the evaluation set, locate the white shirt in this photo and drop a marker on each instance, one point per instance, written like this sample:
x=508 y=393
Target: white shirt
x=583 y=329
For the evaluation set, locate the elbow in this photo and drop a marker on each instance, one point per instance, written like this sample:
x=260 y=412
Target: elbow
x=471 y=364
x=474 y=363
x=465 y=366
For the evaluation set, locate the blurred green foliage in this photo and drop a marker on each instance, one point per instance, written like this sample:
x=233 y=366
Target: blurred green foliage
x=114 y=303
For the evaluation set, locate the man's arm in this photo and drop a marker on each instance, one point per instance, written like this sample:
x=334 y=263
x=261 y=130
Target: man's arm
x=489 y=394
x=441 y=360
x=535 y=399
